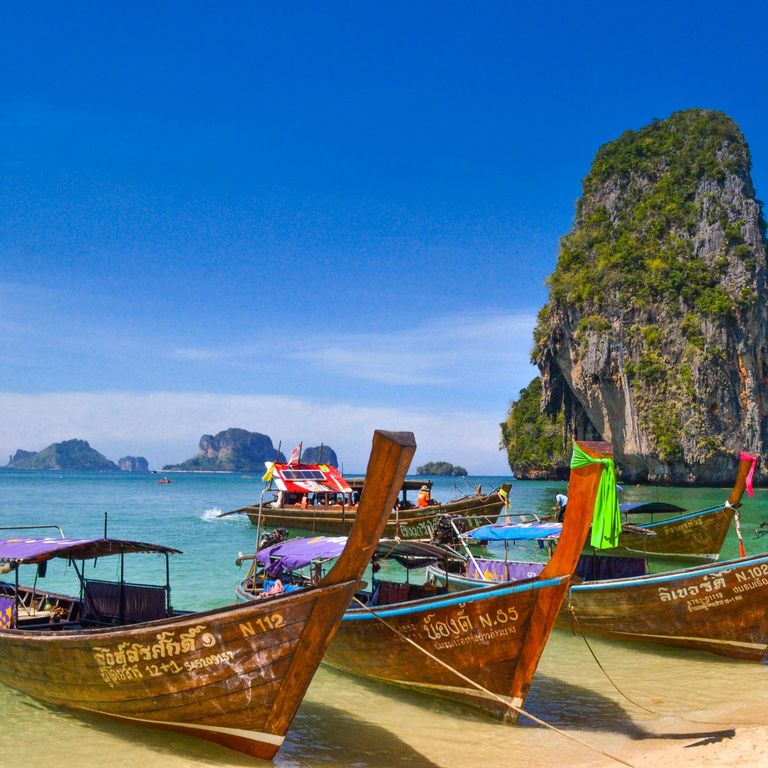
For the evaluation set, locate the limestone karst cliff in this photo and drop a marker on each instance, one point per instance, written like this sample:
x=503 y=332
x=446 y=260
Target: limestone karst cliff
x=654 y=336
x=320 y=454
x=133 y=464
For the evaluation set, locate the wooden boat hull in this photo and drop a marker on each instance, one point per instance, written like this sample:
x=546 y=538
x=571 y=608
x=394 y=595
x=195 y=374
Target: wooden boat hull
x=696 y=535
x=234 y=676
x=719 y=608
x=406 y=524
x=493 y=636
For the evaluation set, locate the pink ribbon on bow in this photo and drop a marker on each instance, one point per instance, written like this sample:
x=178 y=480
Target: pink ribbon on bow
x=746 y=457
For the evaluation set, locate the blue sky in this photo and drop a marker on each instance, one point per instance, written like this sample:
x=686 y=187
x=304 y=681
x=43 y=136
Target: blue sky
x=311 y=220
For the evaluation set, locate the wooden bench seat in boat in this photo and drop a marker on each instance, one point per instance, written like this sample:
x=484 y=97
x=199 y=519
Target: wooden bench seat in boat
x=388 y=592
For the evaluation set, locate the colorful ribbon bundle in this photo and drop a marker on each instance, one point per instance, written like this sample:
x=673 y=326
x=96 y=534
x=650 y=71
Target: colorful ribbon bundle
x=606 y=521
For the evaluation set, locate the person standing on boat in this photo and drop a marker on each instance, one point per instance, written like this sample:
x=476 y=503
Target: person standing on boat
x=422 y=500
x=560 y=501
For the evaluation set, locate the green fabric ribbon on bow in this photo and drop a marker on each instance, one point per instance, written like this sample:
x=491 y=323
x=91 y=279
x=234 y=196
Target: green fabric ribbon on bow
x=606 y=520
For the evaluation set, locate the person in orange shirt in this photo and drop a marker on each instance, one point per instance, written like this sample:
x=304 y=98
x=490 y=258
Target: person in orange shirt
x=422 y=500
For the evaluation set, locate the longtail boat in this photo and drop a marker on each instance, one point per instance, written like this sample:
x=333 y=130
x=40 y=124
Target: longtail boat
x=318 y=499
x=492 y=635
x=721 y=608
x=234 y=675
x=695 y=535
x=480 y=648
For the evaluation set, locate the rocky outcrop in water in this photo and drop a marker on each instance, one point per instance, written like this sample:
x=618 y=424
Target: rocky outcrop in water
x=133 y=464
x=232 y=450
x=69 y=454
x=654 y=336
x=320 y=454
x=441 y=469
x=536 y=445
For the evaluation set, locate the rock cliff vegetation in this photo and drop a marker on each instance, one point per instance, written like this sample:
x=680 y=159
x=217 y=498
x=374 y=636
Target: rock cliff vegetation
x=654 y=336
x=536 y=443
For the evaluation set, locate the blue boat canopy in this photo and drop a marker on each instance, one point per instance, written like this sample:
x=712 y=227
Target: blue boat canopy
x=516 y=532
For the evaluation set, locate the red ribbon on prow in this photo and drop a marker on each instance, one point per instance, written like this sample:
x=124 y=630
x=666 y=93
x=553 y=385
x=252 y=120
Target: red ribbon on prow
x=746 y=457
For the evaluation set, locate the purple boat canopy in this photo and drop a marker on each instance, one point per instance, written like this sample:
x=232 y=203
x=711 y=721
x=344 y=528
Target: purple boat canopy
x=516 y=532
x=24 y=549
x=299 y=553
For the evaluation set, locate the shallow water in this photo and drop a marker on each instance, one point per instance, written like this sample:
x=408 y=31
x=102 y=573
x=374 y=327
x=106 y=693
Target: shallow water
x=348 y=722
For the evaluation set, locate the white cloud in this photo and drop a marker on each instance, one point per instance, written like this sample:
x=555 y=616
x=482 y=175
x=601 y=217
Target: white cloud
x=449 y=350
x=165 y=426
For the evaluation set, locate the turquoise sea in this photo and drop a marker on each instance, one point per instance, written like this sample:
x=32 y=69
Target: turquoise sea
x=344 y=721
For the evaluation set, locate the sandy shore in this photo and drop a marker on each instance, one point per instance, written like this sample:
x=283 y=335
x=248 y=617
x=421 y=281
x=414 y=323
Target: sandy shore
x=740 y=747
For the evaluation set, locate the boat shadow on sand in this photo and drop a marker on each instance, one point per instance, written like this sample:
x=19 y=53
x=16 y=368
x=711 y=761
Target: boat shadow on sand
x=566 y=706
x=320 y=735
x=577 y=708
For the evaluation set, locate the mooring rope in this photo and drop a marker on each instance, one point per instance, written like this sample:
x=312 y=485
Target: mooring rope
x=493 y=695
x=575 y=621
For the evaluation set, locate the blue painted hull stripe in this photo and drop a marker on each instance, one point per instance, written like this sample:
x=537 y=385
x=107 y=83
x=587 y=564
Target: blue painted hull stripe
x=662 y=578
x=357 y=614
x=637 y=581
x=699 y=513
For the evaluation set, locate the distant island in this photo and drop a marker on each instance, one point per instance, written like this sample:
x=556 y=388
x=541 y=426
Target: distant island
x=238 y=450
x=231 y=450
x=441 y=469
x=69 y=454
x=133 y=464
x=321 y=454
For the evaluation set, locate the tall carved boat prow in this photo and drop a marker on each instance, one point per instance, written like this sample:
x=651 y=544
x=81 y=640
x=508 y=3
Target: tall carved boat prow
x=492 y=636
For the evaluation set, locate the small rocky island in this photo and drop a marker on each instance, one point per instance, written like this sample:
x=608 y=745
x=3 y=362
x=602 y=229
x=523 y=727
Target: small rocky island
x=238 y=450
x=320 y=454
x=232 y=450
x=441 y=469
x=69 y=454
x=133 y=464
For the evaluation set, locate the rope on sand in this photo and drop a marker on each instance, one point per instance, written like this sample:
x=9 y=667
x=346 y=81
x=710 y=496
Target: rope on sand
x=495 y=696
x=576 y=625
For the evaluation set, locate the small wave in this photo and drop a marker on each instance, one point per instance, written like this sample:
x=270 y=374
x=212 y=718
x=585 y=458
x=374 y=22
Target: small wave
x=214 y=514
